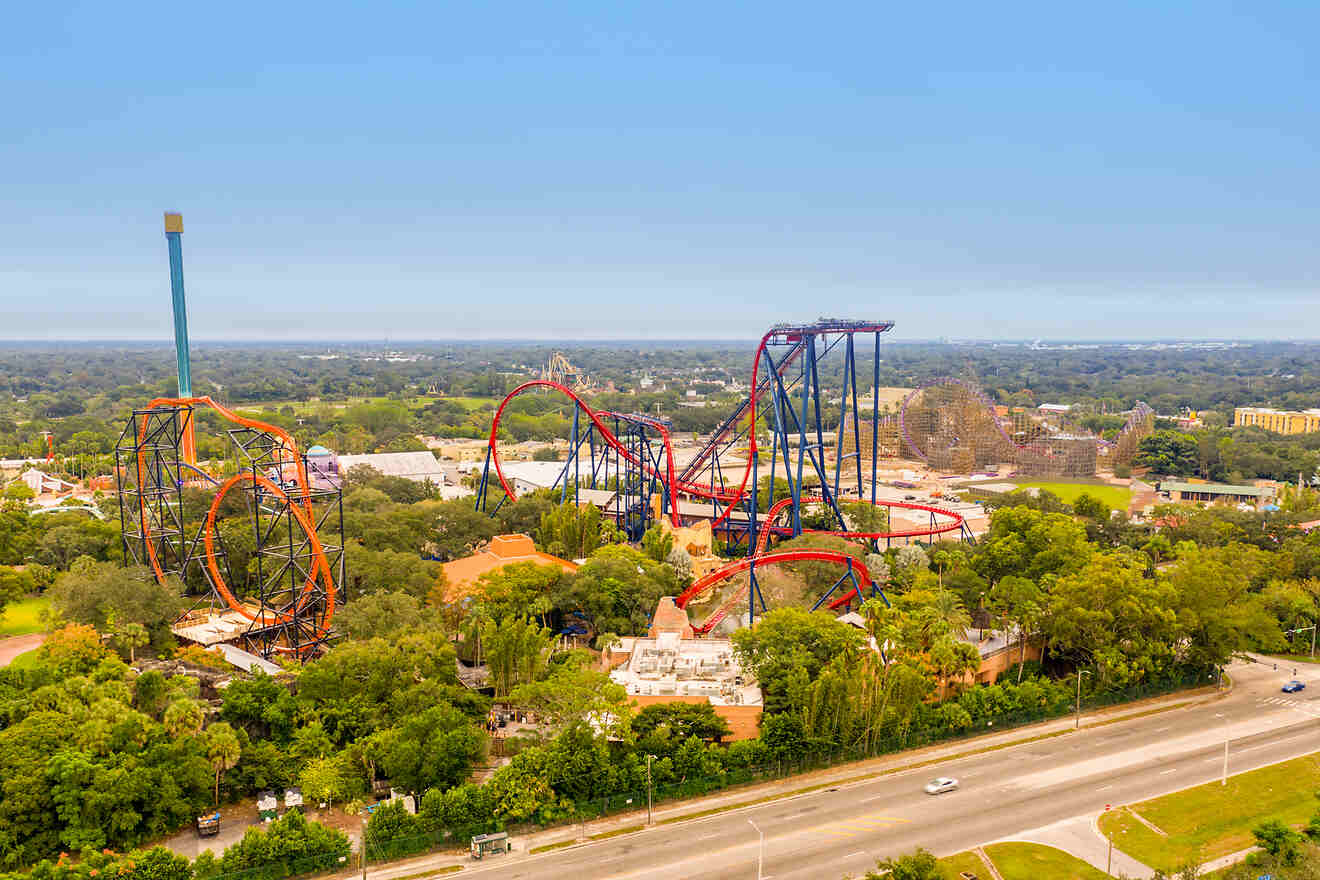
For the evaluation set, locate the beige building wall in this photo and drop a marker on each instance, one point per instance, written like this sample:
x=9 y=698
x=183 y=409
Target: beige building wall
x=1277 y=420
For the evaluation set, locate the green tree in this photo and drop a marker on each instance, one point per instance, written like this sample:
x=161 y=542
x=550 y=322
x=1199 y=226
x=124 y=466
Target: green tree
x=1091 y=507
x=392 y=571
x=919 y=865
x=384 y=615
x=657 y=542
x=572 y=532
x=788 y=643
x=130 y=636
x=437 y=748
x=618 y=589
x=222 y=750
x=1279 y=840
x=184 y=717
x=1021 y=604
x=575 y=690
x=74 y=649
x=516 y=652
x=325 y=780
x=1111 y=616
x=1216 y=609
x=682 y=720
x=104 y=595
x=1168 y=452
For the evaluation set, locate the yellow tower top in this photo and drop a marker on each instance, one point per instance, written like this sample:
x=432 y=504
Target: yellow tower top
x=173 y=222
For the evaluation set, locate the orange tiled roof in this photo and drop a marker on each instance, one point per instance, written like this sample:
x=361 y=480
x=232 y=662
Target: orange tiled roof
x=503 y=550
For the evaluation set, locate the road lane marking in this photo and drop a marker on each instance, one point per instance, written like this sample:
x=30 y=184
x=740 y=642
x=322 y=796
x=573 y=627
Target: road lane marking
x=1104 y=787
x=1161 y=730
x=860 y=852
x=1167 y=772
x=710 y=837
x=874 y=798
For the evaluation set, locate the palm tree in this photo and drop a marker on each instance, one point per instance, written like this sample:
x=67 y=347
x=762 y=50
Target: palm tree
x=184 y=718
x=222 y=750
x=951 y=610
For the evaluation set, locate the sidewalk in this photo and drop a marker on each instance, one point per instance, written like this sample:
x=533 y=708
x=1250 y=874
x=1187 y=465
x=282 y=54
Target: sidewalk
x=787 y=787
x=1081 y=837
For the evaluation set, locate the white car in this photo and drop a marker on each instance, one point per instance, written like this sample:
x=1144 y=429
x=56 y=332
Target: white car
x=941 y=784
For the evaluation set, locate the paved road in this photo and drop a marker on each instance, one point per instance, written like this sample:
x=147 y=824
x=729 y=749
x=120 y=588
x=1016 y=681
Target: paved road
x=1004 y=794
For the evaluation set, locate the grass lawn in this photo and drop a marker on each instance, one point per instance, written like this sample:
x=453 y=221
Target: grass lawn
x=1032 y=861
x=964 y=861
x=1117 y=497
x=26 y=660
x=22 y=617
x=1213 y=820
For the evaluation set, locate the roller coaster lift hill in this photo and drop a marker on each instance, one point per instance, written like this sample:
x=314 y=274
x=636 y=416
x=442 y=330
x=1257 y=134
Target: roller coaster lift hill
x=631 y=455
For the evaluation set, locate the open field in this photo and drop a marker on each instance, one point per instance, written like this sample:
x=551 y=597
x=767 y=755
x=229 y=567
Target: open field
x=23 y=617
x=1117 y=497
x=1214 y=820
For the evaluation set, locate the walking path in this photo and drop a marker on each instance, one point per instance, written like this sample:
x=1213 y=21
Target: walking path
x=12 y=647
x=1081 y=837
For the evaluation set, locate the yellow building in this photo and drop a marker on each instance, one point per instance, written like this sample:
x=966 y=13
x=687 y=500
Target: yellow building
x=1277 y=420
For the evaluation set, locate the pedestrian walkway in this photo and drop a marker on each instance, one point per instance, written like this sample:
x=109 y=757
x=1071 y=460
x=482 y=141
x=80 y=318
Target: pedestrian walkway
x=1081 y=837
x=1305 y=707
x=12 y=647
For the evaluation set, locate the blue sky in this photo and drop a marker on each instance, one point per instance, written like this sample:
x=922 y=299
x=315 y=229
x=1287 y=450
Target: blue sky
x=674 y=170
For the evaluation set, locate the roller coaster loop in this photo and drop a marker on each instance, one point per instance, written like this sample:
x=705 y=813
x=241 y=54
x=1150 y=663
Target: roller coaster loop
x=299 y=507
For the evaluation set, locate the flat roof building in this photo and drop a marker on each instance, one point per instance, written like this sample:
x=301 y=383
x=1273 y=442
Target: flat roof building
x=1279 y=421
x=1217 y=493
x=416 y=466
x=670 y=666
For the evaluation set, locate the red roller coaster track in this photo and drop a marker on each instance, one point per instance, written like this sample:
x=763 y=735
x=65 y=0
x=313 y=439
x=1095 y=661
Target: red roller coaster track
x=300 y=509
x=953 y=522
x=760 y=557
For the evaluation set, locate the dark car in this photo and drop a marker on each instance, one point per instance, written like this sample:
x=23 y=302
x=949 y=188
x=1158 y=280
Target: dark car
x=1293 y=687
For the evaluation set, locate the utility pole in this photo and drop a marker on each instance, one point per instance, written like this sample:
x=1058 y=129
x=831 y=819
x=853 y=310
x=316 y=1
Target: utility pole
x=364 y=847
x=1077 y=722
x=648 y=788
x=1223 y=780
x=1109 y=859
x=760 y=853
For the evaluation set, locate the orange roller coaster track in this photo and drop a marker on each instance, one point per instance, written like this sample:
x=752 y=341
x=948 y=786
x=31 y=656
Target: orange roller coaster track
x=153 y=451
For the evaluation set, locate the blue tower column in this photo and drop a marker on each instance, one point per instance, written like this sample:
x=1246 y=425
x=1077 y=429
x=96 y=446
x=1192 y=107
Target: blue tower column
x=174 y=240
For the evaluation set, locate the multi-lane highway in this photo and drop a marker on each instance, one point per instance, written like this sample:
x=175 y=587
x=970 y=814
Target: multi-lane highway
x=1003 y=793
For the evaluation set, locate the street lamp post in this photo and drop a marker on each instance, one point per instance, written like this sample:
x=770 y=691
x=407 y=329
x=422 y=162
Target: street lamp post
x=1077 y=722
x=648 y=788
x=760 y=854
